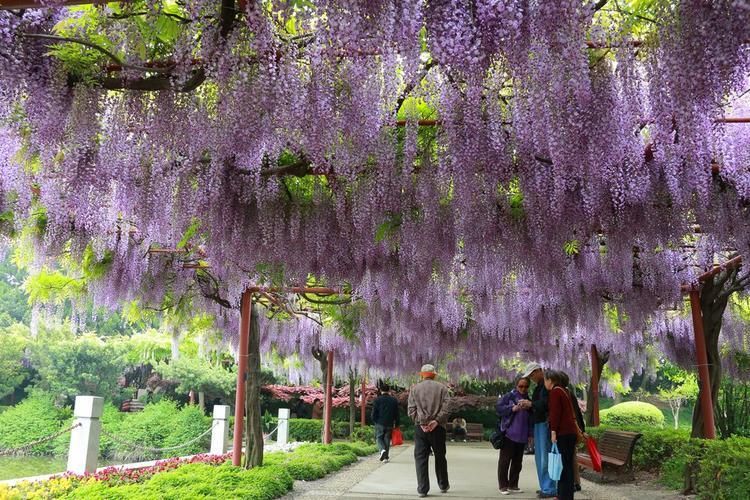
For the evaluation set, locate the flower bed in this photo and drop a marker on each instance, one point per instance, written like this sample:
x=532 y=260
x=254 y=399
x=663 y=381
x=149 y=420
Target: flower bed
x=199 y=476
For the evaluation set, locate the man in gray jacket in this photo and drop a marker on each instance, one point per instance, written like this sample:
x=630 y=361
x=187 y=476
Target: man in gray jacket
x=427 y=408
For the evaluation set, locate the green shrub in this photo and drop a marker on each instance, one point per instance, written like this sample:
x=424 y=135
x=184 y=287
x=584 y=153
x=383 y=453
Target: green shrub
x=33 y=418
x=724 y=469
x=159 y=425
x=364 y=434
x=720 y=468
x=340 y=428
x=200 y=480
x=305 y=429
x=673 y=469
x=632 y=413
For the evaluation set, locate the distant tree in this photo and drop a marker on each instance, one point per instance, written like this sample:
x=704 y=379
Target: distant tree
x=684 y=390
x=14 y=340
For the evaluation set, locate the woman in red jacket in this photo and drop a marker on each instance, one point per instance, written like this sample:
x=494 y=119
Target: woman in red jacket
x=563 y=430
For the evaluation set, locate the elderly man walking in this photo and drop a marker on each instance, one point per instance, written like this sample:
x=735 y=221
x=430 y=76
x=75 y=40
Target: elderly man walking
x=427 y=408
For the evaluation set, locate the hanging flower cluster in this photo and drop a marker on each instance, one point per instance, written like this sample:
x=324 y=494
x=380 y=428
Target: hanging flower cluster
x=547 y=177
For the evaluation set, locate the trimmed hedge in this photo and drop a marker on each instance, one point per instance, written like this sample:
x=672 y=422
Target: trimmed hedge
x=200 y=480
x=311 y=430
x=719 y=469
x=633 y=413
x=159 y=425
x=33 y=418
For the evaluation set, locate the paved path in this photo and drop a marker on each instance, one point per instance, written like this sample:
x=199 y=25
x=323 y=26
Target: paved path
x=472 y=470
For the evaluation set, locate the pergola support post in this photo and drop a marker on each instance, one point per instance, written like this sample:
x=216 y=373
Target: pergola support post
x=363 y=402
x=327 y=438
x=707 y=407
x=239 y=400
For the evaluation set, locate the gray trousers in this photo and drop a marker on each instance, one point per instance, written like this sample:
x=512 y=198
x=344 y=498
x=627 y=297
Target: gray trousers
x=383 y=437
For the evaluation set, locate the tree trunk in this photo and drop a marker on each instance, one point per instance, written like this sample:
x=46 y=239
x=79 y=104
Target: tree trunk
x=202 y=400
x=322 y=357
x=352 y=405
x=592 y=394
x=253 y=429
x=175 y=342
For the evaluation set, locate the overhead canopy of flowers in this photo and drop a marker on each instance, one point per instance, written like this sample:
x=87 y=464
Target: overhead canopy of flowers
x=492 y=178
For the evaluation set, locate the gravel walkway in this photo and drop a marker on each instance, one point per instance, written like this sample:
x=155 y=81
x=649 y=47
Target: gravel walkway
x=336 y=485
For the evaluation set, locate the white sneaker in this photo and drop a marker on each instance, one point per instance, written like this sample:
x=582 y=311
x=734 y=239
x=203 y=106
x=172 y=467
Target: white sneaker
x=504 y=492
x=515 y=490
x=382 y=455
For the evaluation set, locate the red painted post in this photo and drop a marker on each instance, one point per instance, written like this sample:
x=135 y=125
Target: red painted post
x=239 y=401
x=707 y=407
x=594 y=386
x=327 y=438
x=363 y=403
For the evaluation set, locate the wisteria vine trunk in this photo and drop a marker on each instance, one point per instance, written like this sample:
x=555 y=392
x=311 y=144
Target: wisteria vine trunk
x=322 y=357
x=253 y=429
x=592 y=410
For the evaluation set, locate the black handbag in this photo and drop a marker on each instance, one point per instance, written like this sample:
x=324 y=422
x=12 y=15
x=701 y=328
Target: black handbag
x=497 y=438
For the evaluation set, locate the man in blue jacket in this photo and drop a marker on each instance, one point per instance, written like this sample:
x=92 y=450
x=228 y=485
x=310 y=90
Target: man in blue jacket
x=385 y=418
x=542 y=443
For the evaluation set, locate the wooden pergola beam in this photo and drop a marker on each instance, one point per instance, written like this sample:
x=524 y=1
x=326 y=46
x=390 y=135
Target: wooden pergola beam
x=730 y=264
x=31 y=4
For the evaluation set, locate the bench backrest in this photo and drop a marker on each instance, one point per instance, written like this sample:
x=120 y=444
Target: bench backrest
x=474 y=429
x=618 y=444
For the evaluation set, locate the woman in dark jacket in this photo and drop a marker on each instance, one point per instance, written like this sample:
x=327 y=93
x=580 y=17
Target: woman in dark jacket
x=514 y=410
x=563 y=430
x=581 y=425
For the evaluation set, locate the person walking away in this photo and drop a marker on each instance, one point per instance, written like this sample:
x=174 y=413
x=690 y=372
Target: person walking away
x=427 y=408
x=459 y=429
x=385 y=417
x=542 y=445
x=581 y=426
x=317 y=409
x=563 y=430
x=514 y=409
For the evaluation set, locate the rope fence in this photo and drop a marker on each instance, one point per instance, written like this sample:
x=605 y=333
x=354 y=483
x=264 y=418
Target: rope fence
x=121 y=445
x=140 y=447
x=269 y=434
x=20 y=450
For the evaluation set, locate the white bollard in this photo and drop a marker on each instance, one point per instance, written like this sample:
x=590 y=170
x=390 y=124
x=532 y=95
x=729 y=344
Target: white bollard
x=282 y=433
x=84 y=439
x=220 y=432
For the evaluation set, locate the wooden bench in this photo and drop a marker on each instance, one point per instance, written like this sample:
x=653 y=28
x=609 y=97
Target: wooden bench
x=616 y=449
x=131 y=405
x=475 y=431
